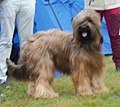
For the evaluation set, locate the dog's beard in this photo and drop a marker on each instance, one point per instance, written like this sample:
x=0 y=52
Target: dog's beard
x=85 y=35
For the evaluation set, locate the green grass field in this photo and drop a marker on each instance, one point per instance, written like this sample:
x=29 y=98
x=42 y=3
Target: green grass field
x=15 y=95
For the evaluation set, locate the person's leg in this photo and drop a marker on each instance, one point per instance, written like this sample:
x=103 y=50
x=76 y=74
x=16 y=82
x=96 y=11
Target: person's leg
x=25 y=20
x=7 y=18
x=101 y=17
x=113 y=24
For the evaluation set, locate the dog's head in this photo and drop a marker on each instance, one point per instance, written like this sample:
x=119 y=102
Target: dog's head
x=86 y=27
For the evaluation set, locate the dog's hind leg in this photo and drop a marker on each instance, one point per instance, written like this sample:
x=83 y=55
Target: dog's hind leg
x=43 y=83
x=31 y=86
x=43 y=89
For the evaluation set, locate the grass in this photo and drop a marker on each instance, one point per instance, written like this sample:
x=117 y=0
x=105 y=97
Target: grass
x=15 y=95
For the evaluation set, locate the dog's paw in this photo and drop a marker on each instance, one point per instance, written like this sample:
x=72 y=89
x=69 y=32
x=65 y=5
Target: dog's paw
x=47 y=95
x=101 y=90
x=84 y=91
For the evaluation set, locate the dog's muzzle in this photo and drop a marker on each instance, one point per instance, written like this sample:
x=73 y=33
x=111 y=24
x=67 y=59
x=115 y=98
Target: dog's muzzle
x=85 y=35
x=84 y=31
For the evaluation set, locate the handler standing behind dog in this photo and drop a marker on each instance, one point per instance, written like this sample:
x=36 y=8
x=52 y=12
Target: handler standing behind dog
x=110 y=9
x=23 y=12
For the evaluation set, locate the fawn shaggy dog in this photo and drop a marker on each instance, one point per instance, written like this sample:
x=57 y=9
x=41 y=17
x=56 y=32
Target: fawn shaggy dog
x=77 y=54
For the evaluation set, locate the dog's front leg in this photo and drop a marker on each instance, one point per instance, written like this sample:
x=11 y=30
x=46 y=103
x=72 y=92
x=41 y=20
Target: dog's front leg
x=98 y=84
x=82 y=83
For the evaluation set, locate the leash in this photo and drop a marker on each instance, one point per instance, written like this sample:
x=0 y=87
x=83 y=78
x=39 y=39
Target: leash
x=90 y=2
x=54 y=14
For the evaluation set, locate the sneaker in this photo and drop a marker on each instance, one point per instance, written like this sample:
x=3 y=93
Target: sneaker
x=116 y=95
x=3 y=83
x=118 y=69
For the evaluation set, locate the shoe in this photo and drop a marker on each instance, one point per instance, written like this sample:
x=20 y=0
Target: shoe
x=3 y=83
x=118 y=69
x=116 y=95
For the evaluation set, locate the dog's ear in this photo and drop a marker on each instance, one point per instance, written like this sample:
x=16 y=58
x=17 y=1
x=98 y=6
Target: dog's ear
x=97 y=40
x=98 y=36
x=76 y=39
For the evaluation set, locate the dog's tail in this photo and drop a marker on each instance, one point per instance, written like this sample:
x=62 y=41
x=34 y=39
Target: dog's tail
x=18 y=71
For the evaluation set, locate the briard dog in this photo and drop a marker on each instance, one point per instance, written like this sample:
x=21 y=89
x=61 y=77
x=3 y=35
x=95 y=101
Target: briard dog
x=76 y=53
